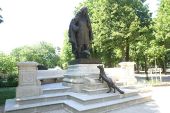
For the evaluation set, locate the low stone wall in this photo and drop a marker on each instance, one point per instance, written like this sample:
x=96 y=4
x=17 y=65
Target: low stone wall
x=50 y=76
x=30 y=79
x=117 y=74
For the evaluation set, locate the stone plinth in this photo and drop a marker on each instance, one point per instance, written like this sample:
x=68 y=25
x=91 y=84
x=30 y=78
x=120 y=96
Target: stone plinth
x=128 y=67
x=77 y=75
x=28 y=83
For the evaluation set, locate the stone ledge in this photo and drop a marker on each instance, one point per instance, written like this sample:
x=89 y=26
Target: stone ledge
x=11 y=105
x=28 y=63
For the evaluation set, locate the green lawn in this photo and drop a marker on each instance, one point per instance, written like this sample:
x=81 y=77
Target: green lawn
x=7 y=93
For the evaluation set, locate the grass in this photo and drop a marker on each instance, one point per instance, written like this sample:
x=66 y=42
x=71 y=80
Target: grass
x=7 y=93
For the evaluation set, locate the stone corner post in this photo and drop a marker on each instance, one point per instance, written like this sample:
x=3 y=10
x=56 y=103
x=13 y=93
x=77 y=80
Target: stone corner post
x=128 y=67
x=28 y=83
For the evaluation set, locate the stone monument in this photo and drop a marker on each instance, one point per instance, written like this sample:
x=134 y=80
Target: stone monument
x=83 y=67
x=128 y=68
x=81 y=91
x=28 y=83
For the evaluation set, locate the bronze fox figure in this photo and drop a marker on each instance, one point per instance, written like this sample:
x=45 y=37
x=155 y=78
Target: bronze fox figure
x=108 y=80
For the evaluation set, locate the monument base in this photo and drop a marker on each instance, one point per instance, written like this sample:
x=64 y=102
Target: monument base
x=28 y=91
x=79 y=75
x=85 y=61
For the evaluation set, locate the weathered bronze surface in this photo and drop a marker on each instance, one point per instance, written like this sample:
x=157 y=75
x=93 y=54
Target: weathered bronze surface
x=80 y=34
x=110 y=83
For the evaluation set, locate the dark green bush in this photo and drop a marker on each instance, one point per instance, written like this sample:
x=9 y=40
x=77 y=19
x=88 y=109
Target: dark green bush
x=12 y=80
x=9 y=81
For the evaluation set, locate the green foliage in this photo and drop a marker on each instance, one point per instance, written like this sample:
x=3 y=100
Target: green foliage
x=162 y=32
x=8 y=71
x=43 y=53
x=9 y=80
x=117 y=25
x=66 y=53
x=7 y=64
x=6 y=93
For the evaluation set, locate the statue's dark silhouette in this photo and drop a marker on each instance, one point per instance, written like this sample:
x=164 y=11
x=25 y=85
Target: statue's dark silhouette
x=1 y=18
x=108 y=80
x=80 y=34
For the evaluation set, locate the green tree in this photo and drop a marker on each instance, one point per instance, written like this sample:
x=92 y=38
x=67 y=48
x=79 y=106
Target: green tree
x=162 y=31
x=43 y=53
x=66 y=52
x=7 y=64
x=117 y=25
x=8 y=71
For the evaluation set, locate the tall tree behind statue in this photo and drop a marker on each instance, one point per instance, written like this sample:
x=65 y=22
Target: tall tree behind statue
x=116 y=26
x=162 y=33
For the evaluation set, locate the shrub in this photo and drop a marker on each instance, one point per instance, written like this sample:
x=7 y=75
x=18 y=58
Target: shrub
x=8 y=80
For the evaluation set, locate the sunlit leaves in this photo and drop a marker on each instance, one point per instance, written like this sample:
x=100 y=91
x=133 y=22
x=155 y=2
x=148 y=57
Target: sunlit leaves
x=7 y=64
x=116 y=26
x=43 y=53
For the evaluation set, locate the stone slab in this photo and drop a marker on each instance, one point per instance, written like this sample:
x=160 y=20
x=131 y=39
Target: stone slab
x=28 y=91
x=76 y=106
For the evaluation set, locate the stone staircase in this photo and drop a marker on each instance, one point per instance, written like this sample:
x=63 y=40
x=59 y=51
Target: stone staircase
x=57 y=97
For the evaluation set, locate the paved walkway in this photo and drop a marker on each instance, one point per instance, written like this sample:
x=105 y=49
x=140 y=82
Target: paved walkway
x=1 y=109
x=161 y=104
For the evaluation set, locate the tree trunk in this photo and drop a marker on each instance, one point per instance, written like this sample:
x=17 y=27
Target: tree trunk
x=137 y=65
x=165 y=64
x=123 y=54
x=146 y=68
x=127 y=50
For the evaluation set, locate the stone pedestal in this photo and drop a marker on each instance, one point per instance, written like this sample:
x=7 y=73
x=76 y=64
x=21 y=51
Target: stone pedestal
x=128 y=67
x=28 y=83
x=77 y=75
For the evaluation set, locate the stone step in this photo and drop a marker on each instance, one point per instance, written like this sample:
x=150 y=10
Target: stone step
x=95 y=91
x=98 y=90
x=79 y=97
x=96 y=86
x=74 y=106
x=55 y=88
x=99 y=98
x=12 y=107
x=42 y=98
x=141 y=89
x=96 y=79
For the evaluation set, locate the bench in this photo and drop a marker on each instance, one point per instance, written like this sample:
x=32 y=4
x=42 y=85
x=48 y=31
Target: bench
x=155 y=72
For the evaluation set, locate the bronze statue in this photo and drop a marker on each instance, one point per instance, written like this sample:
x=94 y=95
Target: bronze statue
x=108 y=80
x=1 y=18
x=80 y=34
